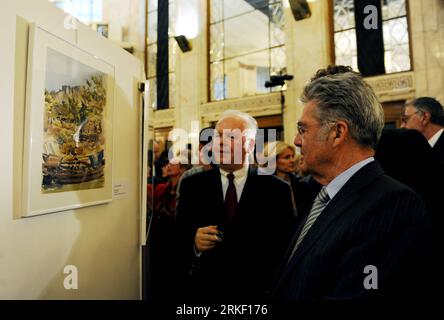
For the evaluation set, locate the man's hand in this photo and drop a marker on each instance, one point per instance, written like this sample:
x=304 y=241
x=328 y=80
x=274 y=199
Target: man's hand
x=206 y=238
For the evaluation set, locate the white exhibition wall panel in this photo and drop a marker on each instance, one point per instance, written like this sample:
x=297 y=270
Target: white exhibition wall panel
x=82 y=253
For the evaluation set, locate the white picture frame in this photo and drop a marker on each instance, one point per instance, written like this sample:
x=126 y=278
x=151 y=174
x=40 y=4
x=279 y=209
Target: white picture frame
x=68 y=134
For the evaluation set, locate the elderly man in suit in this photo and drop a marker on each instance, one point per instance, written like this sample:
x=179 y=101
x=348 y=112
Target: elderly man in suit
x=426 y=115
x=365 y=229
x=234 y=224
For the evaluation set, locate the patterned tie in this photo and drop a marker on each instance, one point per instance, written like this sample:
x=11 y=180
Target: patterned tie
x=231 y=198
x=318 y=205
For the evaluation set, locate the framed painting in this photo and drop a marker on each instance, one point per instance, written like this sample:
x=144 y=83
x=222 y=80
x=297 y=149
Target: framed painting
x=68 y=136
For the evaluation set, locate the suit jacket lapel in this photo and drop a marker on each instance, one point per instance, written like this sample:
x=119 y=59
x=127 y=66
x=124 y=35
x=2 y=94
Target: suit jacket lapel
x=346 y=197
x=439 y=145
x=219 y=196
x=247 y=189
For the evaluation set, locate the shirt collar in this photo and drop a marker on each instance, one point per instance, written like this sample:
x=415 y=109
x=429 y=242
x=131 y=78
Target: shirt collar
x=238 y=174
x=337 y=183
x=434 y=139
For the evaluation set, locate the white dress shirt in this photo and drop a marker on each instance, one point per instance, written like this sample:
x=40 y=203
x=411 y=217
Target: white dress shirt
x=240 y=177
x=434 y=139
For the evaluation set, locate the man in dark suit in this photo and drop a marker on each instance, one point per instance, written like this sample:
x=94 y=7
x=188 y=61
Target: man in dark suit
x=426 y=115
x=365 y=230
x=399 y=152
x=234 y=224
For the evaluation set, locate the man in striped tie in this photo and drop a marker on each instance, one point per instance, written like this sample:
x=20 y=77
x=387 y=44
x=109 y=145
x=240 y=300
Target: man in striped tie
x=365 y=231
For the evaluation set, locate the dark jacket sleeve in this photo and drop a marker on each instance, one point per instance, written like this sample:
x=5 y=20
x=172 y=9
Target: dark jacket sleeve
x=283 y=223
x=185 y=226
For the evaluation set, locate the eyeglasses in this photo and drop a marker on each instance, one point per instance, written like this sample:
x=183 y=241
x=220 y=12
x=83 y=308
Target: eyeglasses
x=406 y=118
x=302 y=128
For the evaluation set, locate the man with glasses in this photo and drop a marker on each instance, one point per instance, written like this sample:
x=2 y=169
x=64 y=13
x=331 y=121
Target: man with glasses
x=364 y=232
x=426 y=115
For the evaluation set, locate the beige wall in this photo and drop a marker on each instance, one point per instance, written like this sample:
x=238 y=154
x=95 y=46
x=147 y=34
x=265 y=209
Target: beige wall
x=126 y=21
x=427 y=34
x=308 y=49
x=101 y=241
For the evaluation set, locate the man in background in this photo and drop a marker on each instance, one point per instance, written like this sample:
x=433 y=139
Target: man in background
x=426 y=115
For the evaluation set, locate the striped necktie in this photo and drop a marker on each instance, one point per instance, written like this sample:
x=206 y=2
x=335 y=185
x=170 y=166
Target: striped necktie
x=318 y=205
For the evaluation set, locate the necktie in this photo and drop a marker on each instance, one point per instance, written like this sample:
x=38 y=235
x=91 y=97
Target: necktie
x=318 y=205
x=231 y=198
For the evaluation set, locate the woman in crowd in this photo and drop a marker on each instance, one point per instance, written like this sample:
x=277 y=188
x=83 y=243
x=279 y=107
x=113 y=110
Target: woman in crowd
x=282 y=159
x=165 y=193
x=279 y=159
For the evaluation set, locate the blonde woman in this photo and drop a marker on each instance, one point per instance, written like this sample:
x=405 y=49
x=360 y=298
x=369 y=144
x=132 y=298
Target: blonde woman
x=280 y=159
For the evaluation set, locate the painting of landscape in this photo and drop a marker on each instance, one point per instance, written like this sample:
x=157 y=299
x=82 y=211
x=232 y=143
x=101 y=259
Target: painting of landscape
x=74 y=114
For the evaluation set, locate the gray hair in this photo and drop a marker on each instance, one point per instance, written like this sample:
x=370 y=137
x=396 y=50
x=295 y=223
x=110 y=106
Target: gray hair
x=430 y=105
x=347 y=97
x=249 y=122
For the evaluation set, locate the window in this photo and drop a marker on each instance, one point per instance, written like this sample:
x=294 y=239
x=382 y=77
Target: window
x=395 y=34
x=153 y=56
x=86 y=11
x=247 y=45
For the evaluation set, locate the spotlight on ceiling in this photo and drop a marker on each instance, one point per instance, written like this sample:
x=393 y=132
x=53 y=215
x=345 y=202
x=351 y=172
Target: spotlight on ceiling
x=300 y=9
x=183 y=43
